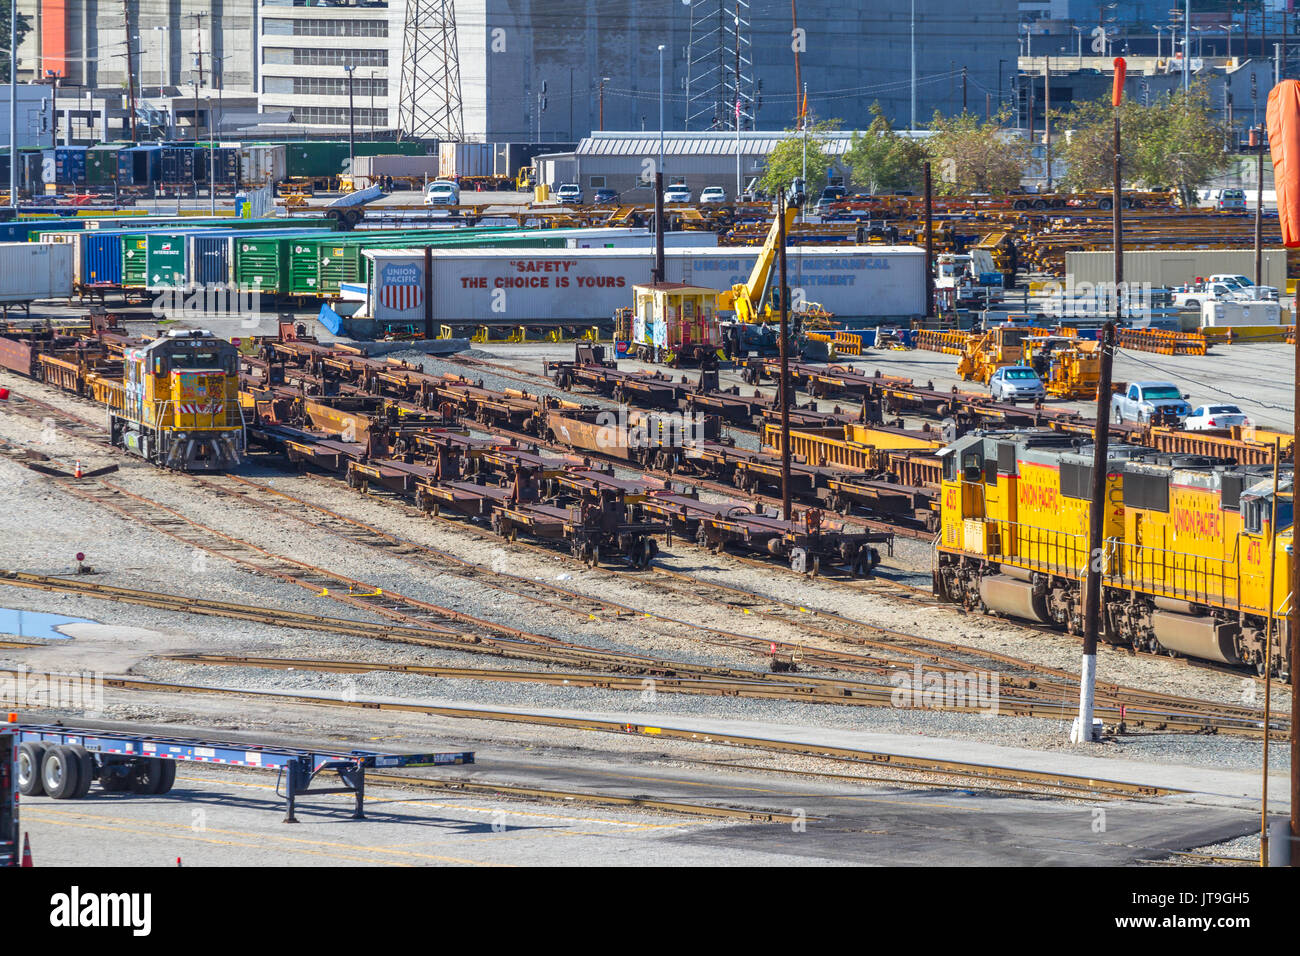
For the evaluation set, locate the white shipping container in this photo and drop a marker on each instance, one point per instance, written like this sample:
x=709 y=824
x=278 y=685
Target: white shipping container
x=465 y=159
x=398 y=166
x=35 y=270
x=855 y=283
x=262 y=164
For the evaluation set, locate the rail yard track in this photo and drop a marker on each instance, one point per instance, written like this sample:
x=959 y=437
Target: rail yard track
x=933 y=772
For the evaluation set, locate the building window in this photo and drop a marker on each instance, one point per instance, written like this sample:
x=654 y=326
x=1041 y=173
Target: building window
x=338 y=86
x=338 y=116
x=597 y=182
x=324 y=28
x=312 y=56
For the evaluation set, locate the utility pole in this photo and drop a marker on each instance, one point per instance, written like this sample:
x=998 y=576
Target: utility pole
x=786 y=507
x=54 y=110
x=1187 y=43
x=130 y=73
x=1257 y=140
x=603 y=80
x=929 y=242
x=198 y=80
x=963 y=89
x=1099 y=509
x=1293 y=637
x=13 y=105
x=1047 y=115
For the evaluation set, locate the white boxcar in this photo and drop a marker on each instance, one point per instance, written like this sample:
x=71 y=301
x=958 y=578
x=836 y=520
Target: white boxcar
x=30 y=271
x=855 y=283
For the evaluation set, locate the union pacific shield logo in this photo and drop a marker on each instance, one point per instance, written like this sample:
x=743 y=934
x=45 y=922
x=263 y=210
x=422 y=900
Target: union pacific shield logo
x=401 y=287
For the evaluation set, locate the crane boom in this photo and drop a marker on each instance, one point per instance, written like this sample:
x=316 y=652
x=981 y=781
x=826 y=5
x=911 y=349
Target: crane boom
x=746 y=298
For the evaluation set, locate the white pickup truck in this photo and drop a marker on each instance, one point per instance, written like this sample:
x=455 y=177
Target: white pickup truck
x=1215 y=289
x=1245 y=286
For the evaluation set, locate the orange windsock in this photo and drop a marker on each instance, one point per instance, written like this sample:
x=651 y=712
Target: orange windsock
x=1284 y=140
x=1117 y=92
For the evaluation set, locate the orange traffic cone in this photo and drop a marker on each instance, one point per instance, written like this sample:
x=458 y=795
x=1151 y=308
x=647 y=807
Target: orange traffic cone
x=76 y=472
x=27 y=851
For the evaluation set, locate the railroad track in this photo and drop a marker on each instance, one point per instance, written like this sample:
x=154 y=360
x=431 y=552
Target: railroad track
x=1041 y=688
x=942 y=770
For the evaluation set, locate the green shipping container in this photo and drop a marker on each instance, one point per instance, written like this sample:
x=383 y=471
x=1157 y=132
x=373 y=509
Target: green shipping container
x=164 y=257
x=101 y=165
x=134 y=251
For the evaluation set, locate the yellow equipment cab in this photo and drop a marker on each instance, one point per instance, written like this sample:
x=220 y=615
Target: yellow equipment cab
x=179 y=405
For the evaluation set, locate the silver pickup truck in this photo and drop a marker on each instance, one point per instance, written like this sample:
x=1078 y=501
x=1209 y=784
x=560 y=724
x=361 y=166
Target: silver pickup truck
x=1159 y=403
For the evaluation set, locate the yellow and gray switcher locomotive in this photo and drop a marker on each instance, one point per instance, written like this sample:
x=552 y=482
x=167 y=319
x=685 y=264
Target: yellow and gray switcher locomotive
x=1196 y=558
x=178 y=404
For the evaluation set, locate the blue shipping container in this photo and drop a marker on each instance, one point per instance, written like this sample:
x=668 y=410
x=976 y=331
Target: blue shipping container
x=70 y=165
x=101 y=257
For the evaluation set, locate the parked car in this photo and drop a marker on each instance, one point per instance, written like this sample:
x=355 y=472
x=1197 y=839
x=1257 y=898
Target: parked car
x=1233 y=200
x=569 y=194
x=1205 y=417
x=604 y=195
x=1150 y=403
x=677 y=192
x=713 y=194
x=442 y=192
x=1014 y=383
x=829 y=195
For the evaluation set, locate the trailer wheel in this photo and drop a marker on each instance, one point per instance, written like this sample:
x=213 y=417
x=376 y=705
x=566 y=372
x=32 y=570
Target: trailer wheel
x=145 y=775
x=85 y=771
x=166 y=776
x=31 y=756
x=60 y=771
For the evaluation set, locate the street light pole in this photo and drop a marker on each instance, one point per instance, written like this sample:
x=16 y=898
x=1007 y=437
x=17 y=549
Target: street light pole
x=913 y=44
x=659 y=270
x=352 y=126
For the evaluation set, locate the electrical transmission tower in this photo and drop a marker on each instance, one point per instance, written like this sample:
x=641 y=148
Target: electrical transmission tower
x=429 y=106
x=720 y=90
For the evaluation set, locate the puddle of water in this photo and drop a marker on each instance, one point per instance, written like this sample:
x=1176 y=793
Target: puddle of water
x=36 y=624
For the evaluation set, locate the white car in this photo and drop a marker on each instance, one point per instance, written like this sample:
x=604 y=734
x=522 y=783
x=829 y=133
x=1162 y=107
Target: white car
x=713 y=194
x=442 y=192
x=1014 y=383
x=569 y=194
x=677 y=192
x=1207 y=417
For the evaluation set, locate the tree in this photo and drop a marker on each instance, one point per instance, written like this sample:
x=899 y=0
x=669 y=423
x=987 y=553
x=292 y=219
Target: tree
x=971 y=155
x=1174 y=141
x=786 y=161
x=881 y=160
x=24 y=27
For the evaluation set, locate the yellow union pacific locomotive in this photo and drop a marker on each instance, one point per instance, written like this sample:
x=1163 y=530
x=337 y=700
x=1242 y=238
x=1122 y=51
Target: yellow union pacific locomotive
x=1193 y=563
x=178 y=404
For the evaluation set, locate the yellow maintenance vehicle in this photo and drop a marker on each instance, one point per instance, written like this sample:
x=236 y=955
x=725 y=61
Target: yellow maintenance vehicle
x=991 y=350
x=1070 y=367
